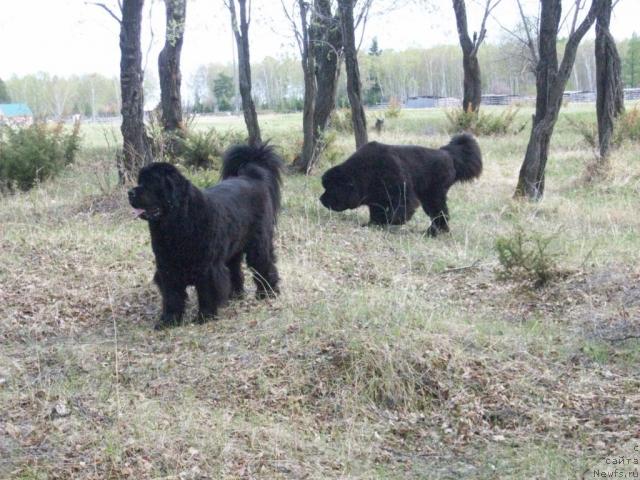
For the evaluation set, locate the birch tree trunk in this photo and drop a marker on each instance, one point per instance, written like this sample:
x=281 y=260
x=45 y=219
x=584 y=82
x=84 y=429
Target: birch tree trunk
x=169 y=67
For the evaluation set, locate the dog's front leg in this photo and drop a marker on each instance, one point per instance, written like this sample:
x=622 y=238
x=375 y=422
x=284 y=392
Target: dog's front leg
x=213 y=287
x=378 y=215
x=173 y=301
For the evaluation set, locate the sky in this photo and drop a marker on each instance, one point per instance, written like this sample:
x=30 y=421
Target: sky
x=65 y=37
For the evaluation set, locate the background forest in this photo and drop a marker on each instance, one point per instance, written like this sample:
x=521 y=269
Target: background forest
x=278 y=83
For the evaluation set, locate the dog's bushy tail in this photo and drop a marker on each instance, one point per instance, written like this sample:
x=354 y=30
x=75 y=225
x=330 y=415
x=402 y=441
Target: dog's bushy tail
x=259 y=162
x=467 y=158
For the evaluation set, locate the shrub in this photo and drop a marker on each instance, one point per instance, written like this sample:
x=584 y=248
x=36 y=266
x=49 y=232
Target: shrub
x=483 y=123
x=626 y=129
x=341 y=120
x=526 y=257
x=32 y=154
x=331 y=152
x=202 y=178
x=394 y=109
x=204 y=149
x=586 y=129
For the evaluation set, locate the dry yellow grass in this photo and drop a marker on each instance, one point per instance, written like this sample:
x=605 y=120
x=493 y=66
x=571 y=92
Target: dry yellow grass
x=388 y=354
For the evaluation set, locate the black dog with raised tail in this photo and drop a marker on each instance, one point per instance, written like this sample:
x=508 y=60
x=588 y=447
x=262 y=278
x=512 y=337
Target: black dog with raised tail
x=200 y=237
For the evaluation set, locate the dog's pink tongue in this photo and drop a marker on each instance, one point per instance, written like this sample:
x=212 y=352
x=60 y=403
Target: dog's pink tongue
x=137 y=212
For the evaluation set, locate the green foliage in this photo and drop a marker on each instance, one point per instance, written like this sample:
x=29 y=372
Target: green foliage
x=331 y=152
x=374 y=49
x=483 y=123
x=158 y=137
x=526 y=256
x=394 y=109
x=35 y=153
x=84 y=94
x=631 y=62
x=588 y=130
x=204 y=149
x=341 y=120
x=4 y=94
x=203 y=178
x=224 y=91
x=287 y=104
x=626 y=129
x=373 y=91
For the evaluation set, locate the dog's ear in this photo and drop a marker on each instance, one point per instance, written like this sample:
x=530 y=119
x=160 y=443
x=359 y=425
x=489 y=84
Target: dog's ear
x=174 y=186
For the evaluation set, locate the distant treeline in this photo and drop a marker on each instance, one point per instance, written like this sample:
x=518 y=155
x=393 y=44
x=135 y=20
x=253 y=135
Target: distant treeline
x=278 y=83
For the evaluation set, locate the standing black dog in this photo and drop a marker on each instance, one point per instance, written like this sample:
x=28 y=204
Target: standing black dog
x=199 y=237
x=392 y=180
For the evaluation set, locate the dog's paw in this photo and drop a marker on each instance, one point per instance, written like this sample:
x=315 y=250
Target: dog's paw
x=204 y=317
x=434 y=231
x=237 y=295
x=168 y=321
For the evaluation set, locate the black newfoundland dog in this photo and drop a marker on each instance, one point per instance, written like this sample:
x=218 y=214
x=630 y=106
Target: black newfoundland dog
x=392 y=180
x=199 y=237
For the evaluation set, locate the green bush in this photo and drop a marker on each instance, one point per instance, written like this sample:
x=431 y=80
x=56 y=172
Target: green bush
x=483 y=123
x=626 y=129
x=341 y=120
x=586 y=129
x=394 y=108
x=204 y=149
x=526 y=257
x=32 y=154
x=331 y=151
x=202 y=178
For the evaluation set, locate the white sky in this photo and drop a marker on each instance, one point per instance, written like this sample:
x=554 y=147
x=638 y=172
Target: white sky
x=64 y=37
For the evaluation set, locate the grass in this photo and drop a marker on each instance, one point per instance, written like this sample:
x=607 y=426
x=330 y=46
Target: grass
x=388 y=354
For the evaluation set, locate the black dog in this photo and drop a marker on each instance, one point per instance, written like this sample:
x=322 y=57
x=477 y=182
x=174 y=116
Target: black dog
x=199 y=237
x=392 y=180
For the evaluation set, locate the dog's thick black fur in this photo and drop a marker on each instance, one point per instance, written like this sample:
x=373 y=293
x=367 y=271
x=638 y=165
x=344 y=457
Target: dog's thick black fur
x=199 y=237
x=393 y=180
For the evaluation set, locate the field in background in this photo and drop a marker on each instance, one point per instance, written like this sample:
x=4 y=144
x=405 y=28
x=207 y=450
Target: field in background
x=388 y=355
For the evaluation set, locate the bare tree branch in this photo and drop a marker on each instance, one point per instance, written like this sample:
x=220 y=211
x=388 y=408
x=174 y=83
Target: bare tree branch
x=578 y=6
x=146 y=59
x=530 y=44
x=107 y=9
x=294 y=25
x=489 y=6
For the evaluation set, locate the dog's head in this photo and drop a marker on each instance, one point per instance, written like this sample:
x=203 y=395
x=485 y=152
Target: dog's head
x=341 y=190
x=161 y=189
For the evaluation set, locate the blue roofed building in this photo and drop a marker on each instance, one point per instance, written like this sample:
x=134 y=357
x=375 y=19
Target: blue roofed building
x=15 y=114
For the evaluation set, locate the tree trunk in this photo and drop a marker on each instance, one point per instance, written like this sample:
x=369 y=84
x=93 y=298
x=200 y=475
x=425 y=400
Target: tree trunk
x=328 y=55
x=550 y=83
x=169 y=69
x=304 y=162
x=136 y=151
x=610 y=94
x=472 y=86
x=354 y=86
x=472 y=93
x=241 y=33
x=320 y=64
